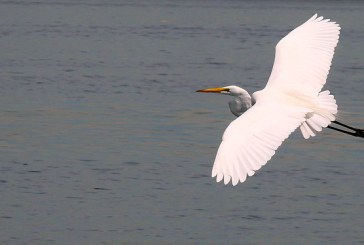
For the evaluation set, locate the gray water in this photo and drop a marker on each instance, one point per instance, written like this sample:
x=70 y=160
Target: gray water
x=103 y=140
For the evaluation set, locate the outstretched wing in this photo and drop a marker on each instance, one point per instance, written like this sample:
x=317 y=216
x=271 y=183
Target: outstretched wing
x=252 y=139
x=303 y=57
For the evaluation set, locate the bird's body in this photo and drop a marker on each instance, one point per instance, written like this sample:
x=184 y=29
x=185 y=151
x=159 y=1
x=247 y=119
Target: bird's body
x=292 y=98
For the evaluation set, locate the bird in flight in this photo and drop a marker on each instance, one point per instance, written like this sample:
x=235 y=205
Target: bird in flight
x=292 y=98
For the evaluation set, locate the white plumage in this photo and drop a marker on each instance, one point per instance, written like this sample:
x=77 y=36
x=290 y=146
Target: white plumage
x=292 y=98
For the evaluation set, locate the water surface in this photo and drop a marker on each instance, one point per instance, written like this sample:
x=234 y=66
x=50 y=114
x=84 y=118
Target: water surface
x=103 y=140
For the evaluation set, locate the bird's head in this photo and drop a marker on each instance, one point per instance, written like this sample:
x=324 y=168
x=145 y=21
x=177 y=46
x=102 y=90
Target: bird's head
x=228 y=90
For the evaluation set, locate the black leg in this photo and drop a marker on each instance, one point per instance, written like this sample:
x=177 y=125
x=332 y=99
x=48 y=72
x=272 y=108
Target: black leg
x=344 y=125
x=357 y=132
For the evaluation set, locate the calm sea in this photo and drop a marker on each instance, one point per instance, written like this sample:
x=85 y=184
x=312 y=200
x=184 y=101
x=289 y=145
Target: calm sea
x=104 y=141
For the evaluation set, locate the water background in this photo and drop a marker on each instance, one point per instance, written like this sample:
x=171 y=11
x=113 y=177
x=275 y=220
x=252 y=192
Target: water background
x=104 y=141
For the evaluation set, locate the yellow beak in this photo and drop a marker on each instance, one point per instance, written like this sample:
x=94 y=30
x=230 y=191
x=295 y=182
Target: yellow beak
x=213 y=90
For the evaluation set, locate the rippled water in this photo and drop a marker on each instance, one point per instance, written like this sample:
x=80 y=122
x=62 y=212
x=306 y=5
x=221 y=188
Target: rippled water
x=103 y=140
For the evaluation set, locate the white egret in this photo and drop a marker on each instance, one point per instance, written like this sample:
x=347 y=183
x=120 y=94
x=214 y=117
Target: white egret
x=292 y=98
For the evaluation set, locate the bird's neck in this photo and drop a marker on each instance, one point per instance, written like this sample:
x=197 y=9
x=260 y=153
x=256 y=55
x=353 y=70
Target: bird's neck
x=241 y=103
x=245 y=98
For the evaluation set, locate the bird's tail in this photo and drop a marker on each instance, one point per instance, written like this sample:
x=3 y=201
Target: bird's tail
x=322 y=116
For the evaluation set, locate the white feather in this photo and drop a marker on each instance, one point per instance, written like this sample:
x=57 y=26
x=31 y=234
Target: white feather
x=259 y=142
x=303 y=57
x=290 y=99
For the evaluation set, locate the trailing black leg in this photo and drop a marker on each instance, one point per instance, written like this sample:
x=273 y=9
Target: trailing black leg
x=357 y=132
